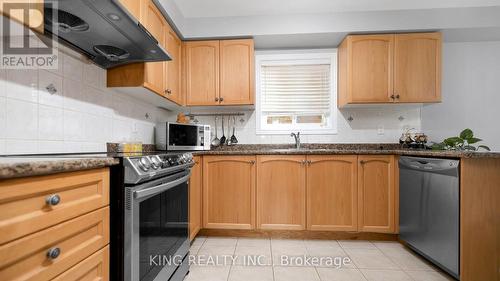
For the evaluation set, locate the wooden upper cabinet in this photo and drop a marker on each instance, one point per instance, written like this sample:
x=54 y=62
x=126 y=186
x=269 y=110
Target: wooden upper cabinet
x=229 y=192
x=365 y=71
x=162 y=78
x=155 y=23
x=219 y=72
x=281 y=192
x=376 y=193
x=236 y=72
x=173 y=68
x=389 y=68
x=417 y=67
x=202 y=72
x=14 y=9
x=153 y=20
x=195 y=192
x=332 y=201
x=133 y=7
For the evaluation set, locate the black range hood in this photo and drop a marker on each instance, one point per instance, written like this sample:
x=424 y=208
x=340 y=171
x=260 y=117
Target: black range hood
x=103 y=30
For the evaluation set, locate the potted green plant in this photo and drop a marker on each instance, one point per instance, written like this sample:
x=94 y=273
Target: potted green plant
x=464 y=141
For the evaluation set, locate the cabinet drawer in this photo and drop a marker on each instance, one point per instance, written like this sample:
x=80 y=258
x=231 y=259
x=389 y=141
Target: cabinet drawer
x=27 y=258
x=23 y=206
x=95 y=267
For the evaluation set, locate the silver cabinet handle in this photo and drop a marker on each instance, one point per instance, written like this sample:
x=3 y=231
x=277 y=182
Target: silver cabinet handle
x=216 y=99
x=252 y=162
x=221 y=99
x=53 y=253
x=53 y=200
x=169 y=91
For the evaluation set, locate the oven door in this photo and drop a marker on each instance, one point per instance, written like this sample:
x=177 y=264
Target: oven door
x=156 y=228
x=184 y=137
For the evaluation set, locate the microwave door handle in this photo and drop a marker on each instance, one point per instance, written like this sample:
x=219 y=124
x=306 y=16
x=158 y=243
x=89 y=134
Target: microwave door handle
x=139 y=194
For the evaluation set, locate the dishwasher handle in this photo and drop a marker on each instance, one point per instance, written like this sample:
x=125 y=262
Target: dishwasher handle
x=431 y=165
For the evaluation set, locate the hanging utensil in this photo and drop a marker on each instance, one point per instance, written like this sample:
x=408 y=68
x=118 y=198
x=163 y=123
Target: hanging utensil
x=215 y=141
x=233 y=138
x=223 y=138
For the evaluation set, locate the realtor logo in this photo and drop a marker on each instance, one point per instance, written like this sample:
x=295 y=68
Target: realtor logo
x=21 y=47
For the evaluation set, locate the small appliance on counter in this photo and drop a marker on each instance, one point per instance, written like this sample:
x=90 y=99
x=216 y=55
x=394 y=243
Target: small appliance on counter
x=411 y=139
x=175 y=136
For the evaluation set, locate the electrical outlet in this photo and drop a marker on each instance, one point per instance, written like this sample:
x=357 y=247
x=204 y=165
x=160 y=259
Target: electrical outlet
x=380 y=130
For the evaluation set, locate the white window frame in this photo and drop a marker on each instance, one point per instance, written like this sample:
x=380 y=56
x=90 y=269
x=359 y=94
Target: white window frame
x=297 y=57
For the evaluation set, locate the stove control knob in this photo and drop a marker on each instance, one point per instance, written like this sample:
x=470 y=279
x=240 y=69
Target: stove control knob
x=144 y=164
x=155 y=162
x=188 y=157
x=181 y=160
x=171 y=161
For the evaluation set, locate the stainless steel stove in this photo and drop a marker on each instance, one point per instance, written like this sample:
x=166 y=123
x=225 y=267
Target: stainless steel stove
x=154 y=209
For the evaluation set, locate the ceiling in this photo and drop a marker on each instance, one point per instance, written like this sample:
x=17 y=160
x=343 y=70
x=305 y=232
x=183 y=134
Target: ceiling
x=292 y=24
x=241 y=8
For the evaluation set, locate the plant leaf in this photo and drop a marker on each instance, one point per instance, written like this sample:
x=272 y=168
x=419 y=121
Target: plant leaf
x=484 y=147
x=473 y=140
x=470 y=147
x=438 y=146
x=466 y=134
x=453 y=141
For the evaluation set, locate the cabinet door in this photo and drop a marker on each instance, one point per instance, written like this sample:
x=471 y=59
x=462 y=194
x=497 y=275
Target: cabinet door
x=376 y=190
x=229 y=192
x=370 y=59
x=202 y=72
x=281 y=192
x=133 y=7
x=236 y=72
x=332 y=193
x=154 y=22
x=417 y=67
x=14 y=10
x=173 y=67
x=195 y=198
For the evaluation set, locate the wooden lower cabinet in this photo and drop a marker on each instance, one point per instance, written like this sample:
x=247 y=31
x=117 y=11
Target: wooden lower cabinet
x=195 y=196
x=229 y=192
x=376 y=193
x=479 y=219
x=95 y=267
x=66 y=215
x=26 y=258
x=332 y=189
x=23 y=207
x=281 y=192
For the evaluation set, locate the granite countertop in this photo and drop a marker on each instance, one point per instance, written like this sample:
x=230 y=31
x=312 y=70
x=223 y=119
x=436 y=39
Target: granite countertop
x=34 y=165
x=329 y=149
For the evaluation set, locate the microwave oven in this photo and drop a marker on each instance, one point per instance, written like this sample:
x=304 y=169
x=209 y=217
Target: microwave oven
x=178 y=136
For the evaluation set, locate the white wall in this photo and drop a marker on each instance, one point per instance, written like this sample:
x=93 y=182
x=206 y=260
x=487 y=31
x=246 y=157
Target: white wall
x=81 y=117
x=471 y=93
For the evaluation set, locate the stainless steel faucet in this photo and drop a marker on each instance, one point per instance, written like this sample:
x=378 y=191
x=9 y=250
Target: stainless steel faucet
x=297 y=139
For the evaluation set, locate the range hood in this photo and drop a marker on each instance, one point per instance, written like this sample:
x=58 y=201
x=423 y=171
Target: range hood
x=102 y=30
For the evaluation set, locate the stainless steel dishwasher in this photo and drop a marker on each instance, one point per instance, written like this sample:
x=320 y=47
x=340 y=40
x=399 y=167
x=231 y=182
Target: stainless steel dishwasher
x=429 y=203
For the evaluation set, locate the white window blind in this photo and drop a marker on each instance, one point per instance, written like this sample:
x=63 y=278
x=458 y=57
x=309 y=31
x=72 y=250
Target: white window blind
x=295 y=88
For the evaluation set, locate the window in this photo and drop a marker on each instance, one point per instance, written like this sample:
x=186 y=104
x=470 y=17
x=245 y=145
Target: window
x=296 y=91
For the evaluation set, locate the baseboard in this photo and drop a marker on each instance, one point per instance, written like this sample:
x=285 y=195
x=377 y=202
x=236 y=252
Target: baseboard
x=302 y=234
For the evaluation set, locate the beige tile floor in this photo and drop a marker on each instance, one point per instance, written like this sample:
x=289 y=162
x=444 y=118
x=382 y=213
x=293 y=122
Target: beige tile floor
x=370 y=261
